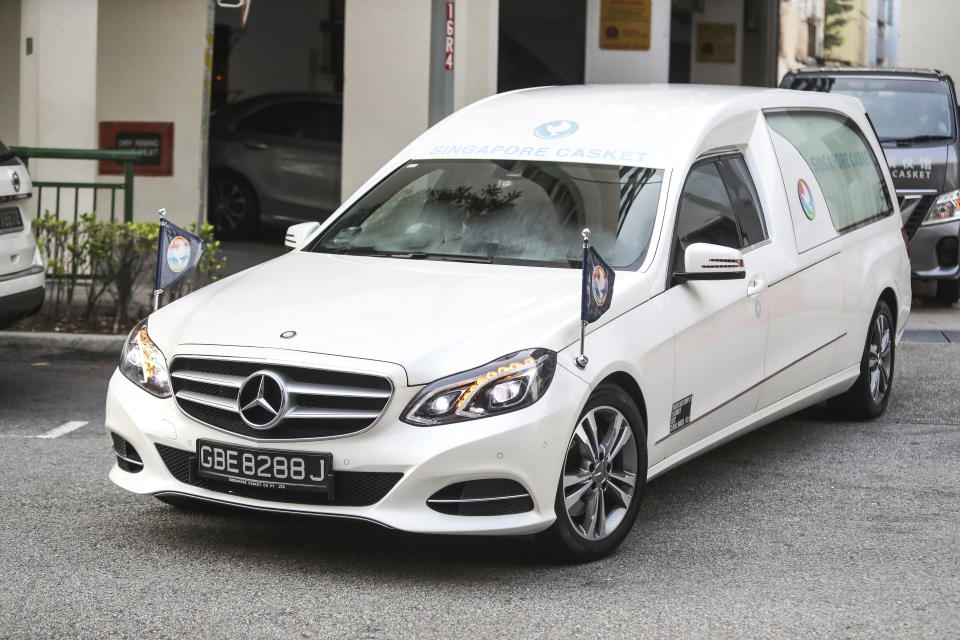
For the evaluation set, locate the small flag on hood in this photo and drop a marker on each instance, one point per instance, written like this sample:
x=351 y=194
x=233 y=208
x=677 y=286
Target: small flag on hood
x=178 y=252
x=597 y=290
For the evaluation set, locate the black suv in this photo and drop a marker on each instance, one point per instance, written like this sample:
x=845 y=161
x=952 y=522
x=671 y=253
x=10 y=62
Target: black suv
x=914 y=112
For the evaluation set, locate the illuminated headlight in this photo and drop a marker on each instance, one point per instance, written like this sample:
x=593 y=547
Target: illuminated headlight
x=946 y=209
x=507 y=384
x=143 y=362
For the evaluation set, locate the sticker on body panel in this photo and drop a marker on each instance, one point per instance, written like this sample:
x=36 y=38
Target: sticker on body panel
x=680 y=415
x=806 y=199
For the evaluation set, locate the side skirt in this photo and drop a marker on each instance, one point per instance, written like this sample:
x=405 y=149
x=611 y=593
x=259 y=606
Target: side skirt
x=817 y=392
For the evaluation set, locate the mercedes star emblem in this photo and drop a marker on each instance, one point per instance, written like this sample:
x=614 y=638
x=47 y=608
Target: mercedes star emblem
x=263 y=400
x=15 y=179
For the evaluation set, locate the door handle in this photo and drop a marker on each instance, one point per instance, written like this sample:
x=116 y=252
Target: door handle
x=253 y=144
x=755 y=286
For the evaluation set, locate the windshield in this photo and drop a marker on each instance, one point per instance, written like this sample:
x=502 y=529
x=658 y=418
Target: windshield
x=502 y=211
x=901 y=109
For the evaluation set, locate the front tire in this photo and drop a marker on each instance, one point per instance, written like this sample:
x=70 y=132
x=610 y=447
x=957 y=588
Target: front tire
x=868 y=396
x=602 y=480
x=233 y=208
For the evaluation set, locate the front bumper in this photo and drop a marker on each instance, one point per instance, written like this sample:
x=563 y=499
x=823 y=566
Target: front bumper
x=21 y=294
x=933 y=251
x=526 y=446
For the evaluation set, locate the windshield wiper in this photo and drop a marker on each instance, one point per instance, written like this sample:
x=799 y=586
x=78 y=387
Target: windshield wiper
x=903 y=142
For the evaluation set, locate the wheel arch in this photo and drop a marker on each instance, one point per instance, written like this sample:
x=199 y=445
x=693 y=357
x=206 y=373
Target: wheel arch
x=889 y=296
x=629 y=384
x=220 y=170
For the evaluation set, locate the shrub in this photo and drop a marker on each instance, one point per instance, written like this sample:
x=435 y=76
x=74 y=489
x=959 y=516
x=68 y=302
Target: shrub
x=112 y=258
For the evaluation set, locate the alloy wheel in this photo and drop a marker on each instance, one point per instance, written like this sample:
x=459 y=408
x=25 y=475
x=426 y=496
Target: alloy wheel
x=600 y=473
x=880 y=358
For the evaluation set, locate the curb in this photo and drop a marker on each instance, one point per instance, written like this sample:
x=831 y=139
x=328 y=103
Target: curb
x=70 y=345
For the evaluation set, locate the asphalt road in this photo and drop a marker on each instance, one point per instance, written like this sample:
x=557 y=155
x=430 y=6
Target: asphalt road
x=807 y=528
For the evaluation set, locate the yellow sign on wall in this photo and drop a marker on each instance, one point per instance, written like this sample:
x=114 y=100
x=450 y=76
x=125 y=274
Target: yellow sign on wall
x=625 y=24
x=717 y=42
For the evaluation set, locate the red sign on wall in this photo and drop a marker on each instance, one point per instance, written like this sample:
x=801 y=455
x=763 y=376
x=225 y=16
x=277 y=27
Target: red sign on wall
x=448 y=46
x=152 y=140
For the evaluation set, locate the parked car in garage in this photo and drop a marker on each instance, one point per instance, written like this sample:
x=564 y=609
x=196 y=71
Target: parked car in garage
x=274 y=157
x=415 y=361
x=914 y=112
x=22 y=278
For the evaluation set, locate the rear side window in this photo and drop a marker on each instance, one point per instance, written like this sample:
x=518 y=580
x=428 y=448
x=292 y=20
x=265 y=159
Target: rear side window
x=842 y=162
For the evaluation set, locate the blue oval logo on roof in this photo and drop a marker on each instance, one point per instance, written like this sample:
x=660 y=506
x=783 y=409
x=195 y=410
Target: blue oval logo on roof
x=556 y=129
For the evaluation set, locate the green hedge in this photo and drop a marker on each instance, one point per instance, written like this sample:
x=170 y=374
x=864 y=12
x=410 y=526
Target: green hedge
x=114 y=262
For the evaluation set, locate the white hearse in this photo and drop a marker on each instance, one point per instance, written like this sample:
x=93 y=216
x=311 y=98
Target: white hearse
x=414 y=361
x=22 y=278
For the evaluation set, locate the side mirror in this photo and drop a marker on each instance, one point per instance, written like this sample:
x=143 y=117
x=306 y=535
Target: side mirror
x=298 y=233
x=703 y=261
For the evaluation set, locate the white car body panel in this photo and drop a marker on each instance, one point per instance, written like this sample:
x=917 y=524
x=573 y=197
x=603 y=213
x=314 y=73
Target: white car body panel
x=749 y=351
x=22 y=277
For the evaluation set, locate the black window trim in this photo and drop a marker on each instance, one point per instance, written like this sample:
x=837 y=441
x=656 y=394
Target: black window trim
x=859 y=131
x=715 y=157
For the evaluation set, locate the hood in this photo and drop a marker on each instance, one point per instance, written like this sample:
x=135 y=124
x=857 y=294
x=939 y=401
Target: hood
x=917 y=167
x=432 y=318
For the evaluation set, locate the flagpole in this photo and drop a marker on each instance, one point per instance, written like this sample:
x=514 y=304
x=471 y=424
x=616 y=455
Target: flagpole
x=157 y=292
x=582 y=359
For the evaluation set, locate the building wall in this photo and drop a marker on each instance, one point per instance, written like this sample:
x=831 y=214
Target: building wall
x=10 y=47
x=928 y=36
x=386 y=83
x=718 y=11
x=151 y=68
x=475 y=50
x=611 y=66
x=57 y=84
x=855 y=48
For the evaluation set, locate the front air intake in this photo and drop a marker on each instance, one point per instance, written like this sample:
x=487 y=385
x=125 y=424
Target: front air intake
x=493 y=497
x=127 y=457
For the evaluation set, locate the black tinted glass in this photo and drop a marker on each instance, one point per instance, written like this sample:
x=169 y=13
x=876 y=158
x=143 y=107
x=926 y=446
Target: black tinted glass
x=261 y=121
x=6 y=156
x=706 y=213
x=900 y=108
x=741 y=189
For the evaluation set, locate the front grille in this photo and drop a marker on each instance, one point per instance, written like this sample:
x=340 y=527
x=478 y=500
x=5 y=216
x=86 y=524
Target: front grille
x=127 y=457
x=10 y=220
x=319 y=403
x=351 y=488
x=493 y=497
x=916 y=210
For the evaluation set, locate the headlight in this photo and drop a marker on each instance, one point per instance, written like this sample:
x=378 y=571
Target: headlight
x=143 y=362
x=946 y=209
x=507 y=384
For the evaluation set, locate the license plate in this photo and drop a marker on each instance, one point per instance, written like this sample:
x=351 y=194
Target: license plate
x=265 y=468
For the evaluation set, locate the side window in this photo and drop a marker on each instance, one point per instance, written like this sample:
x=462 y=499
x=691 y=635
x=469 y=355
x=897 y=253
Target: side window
x=260 y=121
x=745 y=200
x=706 y=212
x=842 y=162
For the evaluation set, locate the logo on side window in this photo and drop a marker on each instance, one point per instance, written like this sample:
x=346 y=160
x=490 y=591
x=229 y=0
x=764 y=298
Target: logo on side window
x=806 y=199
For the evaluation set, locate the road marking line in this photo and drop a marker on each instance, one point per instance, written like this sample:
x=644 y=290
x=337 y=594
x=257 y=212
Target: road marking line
x=63 y=429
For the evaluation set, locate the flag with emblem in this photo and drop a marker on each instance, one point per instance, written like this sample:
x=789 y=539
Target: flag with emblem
x=597 y=289
x=178 y=252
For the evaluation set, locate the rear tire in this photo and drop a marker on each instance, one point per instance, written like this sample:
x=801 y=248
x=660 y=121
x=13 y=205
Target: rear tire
x=868 y=396
x=602 y=480
x=233 y=208
x=948 y=291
